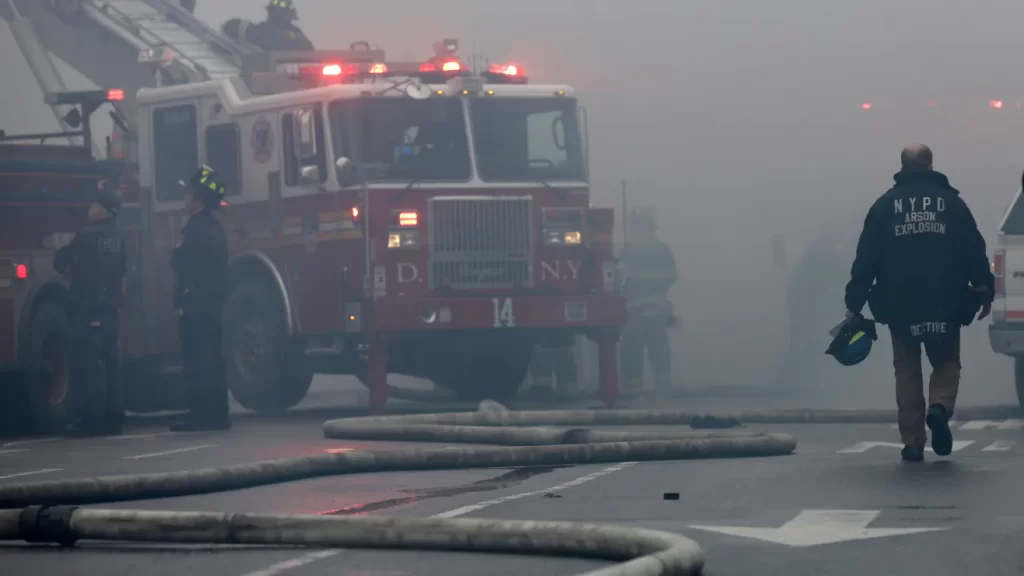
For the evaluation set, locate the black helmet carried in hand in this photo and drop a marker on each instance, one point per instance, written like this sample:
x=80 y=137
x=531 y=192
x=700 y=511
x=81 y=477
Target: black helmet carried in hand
x=205 y=185
x=282 y=10
x=853 y=342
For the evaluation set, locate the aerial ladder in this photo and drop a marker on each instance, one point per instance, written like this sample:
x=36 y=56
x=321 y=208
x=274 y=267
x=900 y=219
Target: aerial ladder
x=126 y=44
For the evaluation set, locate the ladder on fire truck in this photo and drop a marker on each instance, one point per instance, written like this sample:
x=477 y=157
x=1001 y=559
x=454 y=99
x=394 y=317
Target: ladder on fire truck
x=126 y=44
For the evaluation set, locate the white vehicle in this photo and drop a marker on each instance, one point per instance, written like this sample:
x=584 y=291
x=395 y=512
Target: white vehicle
x=1006 y=333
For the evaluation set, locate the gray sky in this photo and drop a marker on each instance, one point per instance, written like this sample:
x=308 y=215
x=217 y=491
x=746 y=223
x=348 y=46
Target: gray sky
x=735 y=119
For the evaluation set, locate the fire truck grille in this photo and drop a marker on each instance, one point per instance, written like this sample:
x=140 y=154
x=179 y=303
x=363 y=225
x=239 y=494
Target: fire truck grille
x=480 y=242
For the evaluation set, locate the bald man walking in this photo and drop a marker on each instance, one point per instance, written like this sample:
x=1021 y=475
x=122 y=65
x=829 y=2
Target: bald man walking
x=922 y=268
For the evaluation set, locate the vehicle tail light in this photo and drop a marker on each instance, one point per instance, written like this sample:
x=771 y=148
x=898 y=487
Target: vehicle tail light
x=331 y=70
x=999 y=270
x=21 y=271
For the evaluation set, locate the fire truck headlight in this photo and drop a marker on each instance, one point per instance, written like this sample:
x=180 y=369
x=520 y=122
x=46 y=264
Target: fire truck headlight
x=562 y=237
x=404 y=239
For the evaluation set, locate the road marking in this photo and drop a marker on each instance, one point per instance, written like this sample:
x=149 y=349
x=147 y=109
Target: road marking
x=817 y=527
x=167 y=452
x=15 y=451
x=1011 y=424
x=32 y=473
x=29 y=441
x=282 y=567
x=999 y=446
x=865 y=446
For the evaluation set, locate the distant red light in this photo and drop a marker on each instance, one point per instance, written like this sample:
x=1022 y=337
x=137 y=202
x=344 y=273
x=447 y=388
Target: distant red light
x=21 y=272
x=331 y=70
x=379 y=68
x=115 y=95
x=865 y=106
x=355 y=212
x=996 y=104
x=505 y=69
x=451 y=66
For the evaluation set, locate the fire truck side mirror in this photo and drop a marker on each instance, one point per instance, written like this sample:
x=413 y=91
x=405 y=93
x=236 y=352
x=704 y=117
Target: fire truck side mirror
x=345 y=171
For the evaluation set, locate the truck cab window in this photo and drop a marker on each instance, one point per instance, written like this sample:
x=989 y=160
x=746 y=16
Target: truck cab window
x=527 y=139
x=400 y=139
x=222 y=153
x=175 y=149
x=303 y=144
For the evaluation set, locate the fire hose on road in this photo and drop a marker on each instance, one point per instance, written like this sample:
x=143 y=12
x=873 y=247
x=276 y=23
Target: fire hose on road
x=48 y=512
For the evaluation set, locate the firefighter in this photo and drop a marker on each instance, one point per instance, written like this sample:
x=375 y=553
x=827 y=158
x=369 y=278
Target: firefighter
x=277 y=32
x=200 y=263
x=921 y=265
x=94 y=261
x=650 y=270
x=552 y=363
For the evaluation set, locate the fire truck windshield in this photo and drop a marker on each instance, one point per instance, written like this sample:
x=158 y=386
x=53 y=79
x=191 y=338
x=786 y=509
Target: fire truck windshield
x=527 y=139
x=403 y=138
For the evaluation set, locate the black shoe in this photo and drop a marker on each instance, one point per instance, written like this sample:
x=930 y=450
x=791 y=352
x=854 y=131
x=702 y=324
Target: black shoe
x=200 y=425
x=913 y=453
x=938 y=423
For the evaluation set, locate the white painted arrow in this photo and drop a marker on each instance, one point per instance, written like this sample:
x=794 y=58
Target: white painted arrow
x=817 y=527
x=865 y=446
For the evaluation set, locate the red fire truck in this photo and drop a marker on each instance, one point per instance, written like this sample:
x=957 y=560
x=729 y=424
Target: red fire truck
x=413 y=218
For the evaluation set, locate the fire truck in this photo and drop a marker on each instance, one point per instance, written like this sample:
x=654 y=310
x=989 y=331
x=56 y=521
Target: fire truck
x=425 y=218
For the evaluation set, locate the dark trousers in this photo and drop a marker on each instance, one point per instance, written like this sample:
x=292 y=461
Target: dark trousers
x=203 y=366
x=554 y=363
x=648 y=335
x=943 y=384
x=96 y=368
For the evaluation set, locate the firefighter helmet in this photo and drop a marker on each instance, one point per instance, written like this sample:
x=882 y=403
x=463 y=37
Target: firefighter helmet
x=205 y=185
x=853 y=342
x=642 y=217
x=282 y=10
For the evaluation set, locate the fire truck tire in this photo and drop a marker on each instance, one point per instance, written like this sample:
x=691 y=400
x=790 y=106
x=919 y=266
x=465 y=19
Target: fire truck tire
x=46 y=377
x=491 y=376
x=263 y=366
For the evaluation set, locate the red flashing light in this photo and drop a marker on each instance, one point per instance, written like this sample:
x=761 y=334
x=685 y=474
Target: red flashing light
x=451 y=66
x=378 y=68
x=21 y=271
x=505 y=69
x=865 y=106
x=408 y=219
x=355 y=212
x=331 y=70
x=996 y=104
x=115 y=95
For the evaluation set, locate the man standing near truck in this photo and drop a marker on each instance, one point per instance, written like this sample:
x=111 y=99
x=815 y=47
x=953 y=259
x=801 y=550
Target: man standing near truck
x=95 y=263
x=650 y=273
x=200 y=263
x=922 y=267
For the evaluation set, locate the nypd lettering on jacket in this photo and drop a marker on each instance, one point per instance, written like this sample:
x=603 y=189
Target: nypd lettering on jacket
x=920 y=215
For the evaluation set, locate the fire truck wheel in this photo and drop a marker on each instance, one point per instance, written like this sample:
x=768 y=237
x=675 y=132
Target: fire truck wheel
x=491 y=376
x=47 y=383
x=264 y=367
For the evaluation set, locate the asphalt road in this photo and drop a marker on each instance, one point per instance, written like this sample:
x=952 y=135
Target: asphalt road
x=970 y=501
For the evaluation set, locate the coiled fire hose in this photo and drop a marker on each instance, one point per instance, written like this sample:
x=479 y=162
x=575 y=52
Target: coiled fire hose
x=48 y=512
